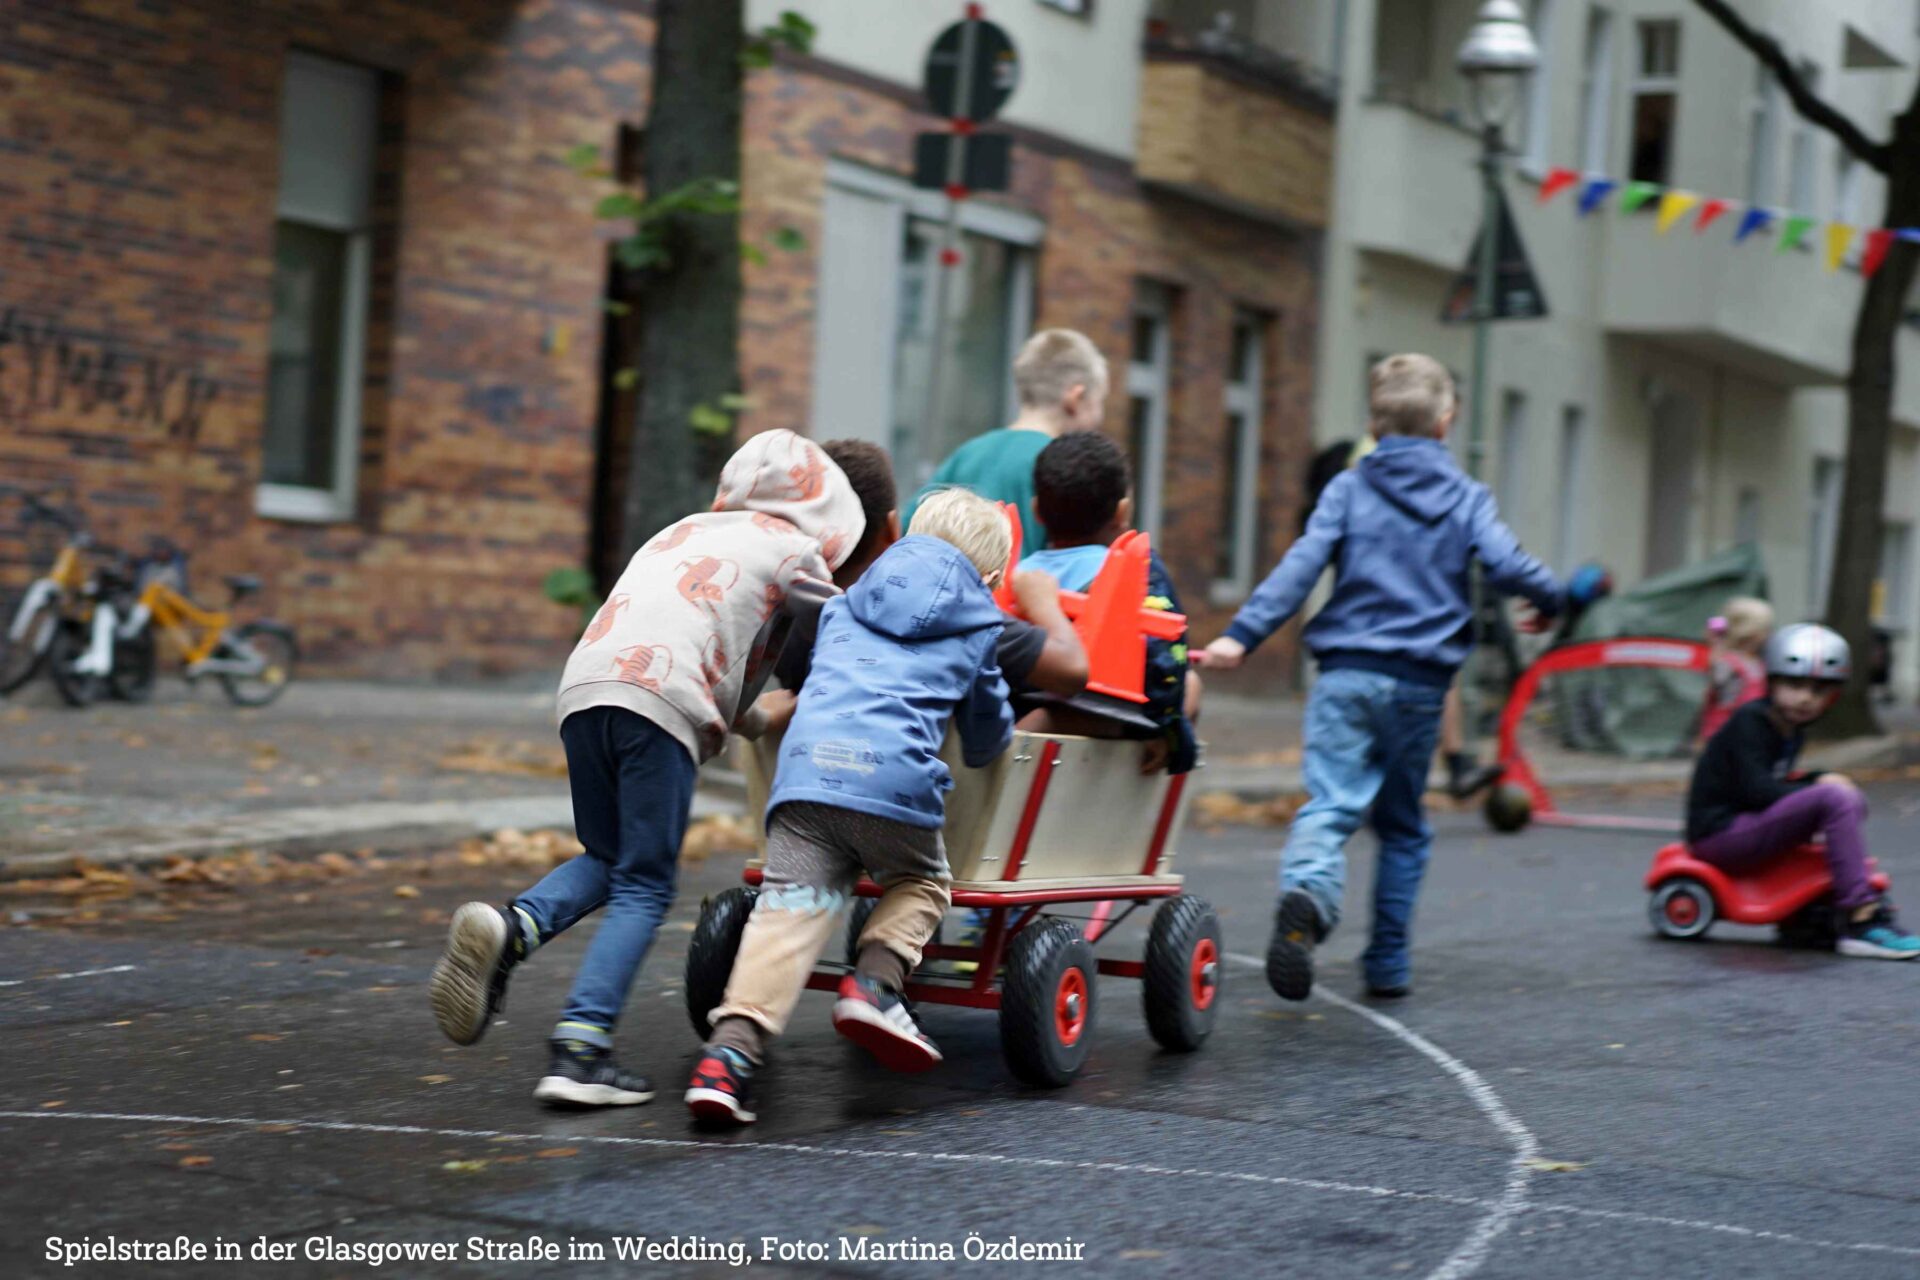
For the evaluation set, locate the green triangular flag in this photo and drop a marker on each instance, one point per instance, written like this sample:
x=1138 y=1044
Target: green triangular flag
x=1793 y=229
x=1635 y=194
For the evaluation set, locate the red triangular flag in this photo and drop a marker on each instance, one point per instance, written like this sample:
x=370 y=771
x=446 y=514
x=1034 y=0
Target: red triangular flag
x=1879 y=240
x=1556 y=181
x=1711 y=210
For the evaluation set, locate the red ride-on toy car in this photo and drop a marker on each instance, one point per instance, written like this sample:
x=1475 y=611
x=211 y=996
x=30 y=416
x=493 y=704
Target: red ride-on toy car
x=1794 y=893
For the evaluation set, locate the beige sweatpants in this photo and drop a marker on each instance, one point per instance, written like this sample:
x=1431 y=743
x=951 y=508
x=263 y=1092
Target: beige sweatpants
x=815 y=853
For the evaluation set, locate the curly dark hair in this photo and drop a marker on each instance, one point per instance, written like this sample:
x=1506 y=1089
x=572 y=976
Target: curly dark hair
x=870 y=472
x=1078 y=482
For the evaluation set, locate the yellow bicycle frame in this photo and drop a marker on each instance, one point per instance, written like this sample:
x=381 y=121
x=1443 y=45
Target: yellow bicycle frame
x=195 y=631
x=69 y=571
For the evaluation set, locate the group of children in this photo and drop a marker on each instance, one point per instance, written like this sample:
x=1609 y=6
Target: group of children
x=881 y=642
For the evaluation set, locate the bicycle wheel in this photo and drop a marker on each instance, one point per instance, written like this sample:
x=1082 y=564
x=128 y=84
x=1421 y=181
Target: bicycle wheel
x=136 y=664
x=269 y=646
x=70 y=644
x=20 y=660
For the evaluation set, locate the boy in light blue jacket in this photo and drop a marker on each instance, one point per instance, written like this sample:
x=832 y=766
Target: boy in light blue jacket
x=1400 y=531
x=861 y=786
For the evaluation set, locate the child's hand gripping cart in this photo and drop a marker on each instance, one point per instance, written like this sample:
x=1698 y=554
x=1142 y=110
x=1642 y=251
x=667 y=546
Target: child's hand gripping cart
x=1055 y=820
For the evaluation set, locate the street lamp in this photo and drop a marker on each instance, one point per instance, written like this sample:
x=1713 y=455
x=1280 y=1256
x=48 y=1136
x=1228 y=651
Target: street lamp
x=1497 y=58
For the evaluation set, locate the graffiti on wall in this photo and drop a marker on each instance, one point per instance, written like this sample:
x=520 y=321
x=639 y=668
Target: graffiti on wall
x=49 y=372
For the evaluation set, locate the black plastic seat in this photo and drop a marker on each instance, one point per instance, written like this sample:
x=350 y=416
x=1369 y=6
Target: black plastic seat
x=242 y=584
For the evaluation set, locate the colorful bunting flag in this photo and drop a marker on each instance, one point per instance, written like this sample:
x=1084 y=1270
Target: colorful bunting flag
x=1910 y=234
x=1757 y=220
x=1556 y=181
x=1673 y=207
x=1709 y=211
x=1839 y=236
x=1635 y=194
x=1594 y=193
x=1879 y=240
x=1793 y=230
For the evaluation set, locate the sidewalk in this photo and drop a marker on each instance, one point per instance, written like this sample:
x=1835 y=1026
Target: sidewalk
x=346 y=766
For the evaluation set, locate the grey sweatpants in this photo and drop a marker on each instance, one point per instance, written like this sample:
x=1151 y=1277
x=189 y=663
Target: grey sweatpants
x=815 y=853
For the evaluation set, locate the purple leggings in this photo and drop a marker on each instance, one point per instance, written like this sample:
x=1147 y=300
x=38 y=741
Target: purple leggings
x=1753 y=839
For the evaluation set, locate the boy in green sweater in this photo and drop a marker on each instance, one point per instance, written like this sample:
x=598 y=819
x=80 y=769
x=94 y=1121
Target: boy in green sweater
x=1062 y=383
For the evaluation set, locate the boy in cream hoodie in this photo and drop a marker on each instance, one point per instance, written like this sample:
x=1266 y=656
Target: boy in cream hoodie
x=669 y=665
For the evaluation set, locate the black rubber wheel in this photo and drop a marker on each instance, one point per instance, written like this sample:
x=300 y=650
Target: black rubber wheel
x=1508 y=808
x=136 y=663
x=1811 y=928
x=70 y=643
x=716 y=939
x=857 y=918
x=21 y=661
x=1047 y=1003
x=1180 y=989
x=1682 y=908
x=275 y=645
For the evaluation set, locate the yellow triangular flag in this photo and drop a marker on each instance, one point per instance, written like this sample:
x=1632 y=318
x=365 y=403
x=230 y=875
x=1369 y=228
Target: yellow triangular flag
x=1839 y=236
x=1673 y=207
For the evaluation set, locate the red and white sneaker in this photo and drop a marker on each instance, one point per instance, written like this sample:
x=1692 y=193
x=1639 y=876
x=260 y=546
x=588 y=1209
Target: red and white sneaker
x=880 y=1021
x=721 y=1087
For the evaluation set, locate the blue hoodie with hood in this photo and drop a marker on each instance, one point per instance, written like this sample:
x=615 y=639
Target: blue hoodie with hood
x=1400 y=530
x=908 y=648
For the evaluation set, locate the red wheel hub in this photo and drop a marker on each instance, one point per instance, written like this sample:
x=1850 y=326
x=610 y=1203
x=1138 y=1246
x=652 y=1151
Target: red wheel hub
x=1205 y=973
x=1682 y=909
x=1070 y=1007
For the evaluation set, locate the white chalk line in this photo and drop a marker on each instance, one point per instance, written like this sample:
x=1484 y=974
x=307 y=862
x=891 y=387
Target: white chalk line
x=62 y=977
x=1470 y=1254
x=283 y=1127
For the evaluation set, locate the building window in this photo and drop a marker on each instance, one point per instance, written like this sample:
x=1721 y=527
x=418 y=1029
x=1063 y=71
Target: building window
x=1893 y=591
x=874 y=322
x=1746 y=516
x=1656 y=102
x=1240 y=459
x=1539 y=113
x=1573 y=483
x=1402 y=54
x=1149 y=367
x=1596 y=91
x=1763 y=137
x=322 y=251
x=1846 y=203
x=1800 y=161
x=1513 y=447
x=1825 y=531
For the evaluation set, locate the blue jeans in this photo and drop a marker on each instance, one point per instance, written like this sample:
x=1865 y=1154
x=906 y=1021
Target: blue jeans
x=1370 y=742
x=632 y=791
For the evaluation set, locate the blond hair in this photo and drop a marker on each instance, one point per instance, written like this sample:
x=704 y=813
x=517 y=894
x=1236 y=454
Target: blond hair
x=1053 y=362
x=1409 y=395
x=1749 y=622
x=977 y=527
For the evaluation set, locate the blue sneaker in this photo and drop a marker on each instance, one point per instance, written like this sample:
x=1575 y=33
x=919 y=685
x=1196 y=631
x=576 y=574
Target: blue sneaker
x=1878 y=937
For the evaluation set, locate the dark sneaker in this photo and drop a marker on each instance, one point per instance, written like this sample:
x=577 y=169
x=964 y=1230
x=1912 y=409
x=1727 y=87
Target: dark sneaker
x=470 y=982
x=1470 y=781
x=585 y=1075
x=880 y=1021
x=1296 y=930
x=722 y=1087
x=1878 y=937
x=1388 y=990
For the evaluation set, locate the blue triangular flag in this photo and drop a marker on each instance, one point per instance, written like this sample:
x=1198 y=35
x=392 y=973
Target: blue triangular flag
x=1593 y=193
x=1910 y=234
x=1754 y=220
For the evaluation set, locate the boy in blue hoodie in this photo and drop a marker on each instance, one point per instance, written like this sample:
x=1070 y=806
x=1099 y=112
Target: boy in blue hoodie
x=861 y=786
x=1400 y=531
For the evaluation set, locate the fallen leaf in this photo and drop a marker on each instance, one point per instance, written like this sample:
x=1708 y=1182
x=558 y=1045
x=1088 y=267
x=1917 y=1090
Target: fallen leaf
x=434 y=1079
x=277 y=1128
x=557 y=1153
x=124 y=1022
x=464 y=1166
x=405 y=891
x=264 y=1037
x=49 y=1106
x=194 y=1162
x=1555 y=1166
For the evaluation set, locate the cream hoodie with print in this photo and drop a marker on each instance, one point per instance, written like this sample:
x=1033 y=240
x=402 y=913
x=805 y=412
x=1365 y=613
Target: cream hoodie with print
x=676 y=640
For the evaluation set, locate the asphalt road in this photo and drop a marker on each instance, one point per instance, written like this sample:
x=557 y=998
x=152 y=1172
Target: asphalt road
x=1562 y=1095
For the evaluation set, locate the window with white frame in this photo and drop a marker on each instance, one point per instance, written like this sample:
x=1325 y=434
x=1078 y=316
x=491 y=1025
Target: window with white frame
x=1149 y=379
x=874 y=318
x=1239 y=540
x=1824 y=533
x=1893 y=596
x=1656 y=102
x=1800 y=158
x=1596 y=90
x=1763 y=136
x=1573 y=483
x=322 y=254
x=1539 y=116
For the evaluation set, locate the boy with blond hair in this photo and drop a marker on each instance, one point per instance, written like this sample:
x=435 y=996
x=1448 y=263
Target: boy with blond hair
x=1401 y=530
x=861 y=786
x=1061 y=380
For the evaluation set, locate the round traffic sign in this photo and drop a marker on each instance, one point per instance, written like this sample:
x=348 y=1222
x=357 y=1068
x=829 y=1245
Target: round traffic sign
x=992 y=78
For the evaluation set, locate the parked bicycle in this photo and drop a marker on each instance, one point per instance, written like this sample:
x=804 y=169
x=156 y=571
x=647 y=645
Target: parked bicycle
x=36 y=618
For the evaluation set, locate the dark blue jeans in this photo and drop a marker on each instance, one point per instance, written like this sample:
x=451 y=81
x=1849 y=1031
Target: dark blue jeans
x=1369 y=744
x=632 y=791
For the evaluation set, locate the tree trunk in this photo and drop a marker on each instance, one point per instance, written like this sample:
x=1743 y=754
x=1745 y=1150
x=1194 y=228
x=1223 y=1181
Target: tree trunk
x=1856 y=560
x=688 y=311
